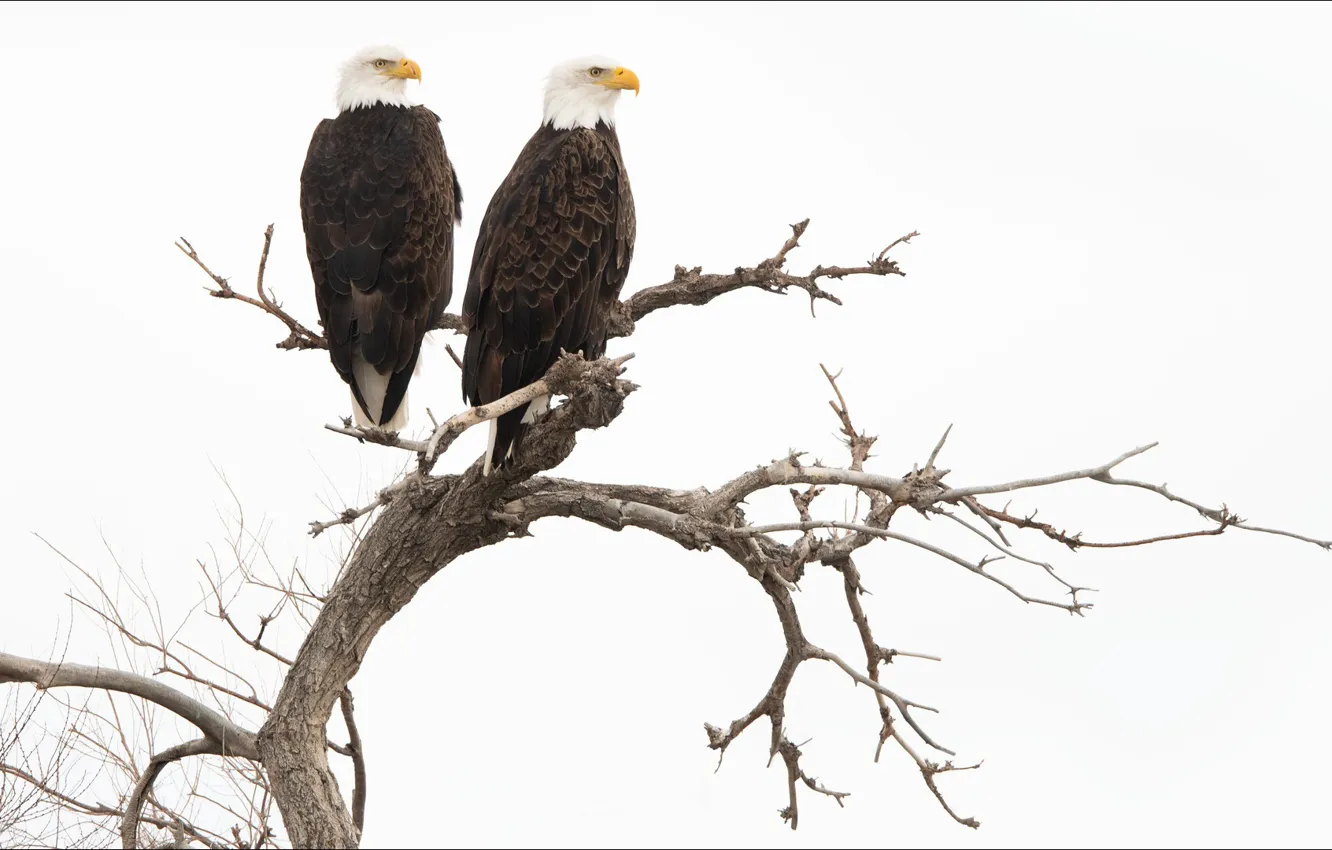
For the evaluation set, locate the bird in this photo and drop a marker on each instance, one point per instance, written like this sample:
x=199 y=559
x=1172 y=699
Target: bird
x=552 y=251
x=379 y=203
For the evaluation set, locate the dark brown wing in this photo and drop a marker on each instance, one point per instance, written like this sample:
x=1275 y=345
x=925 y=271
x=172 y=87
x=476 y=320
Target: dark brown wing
x=379 y=200
x=550 y=260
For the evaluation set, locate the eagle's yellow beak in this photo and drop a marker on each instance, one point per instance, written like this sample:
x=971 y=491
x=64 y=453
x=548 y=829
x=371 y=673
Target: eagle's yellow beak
x=621 y=78
x=406 y=69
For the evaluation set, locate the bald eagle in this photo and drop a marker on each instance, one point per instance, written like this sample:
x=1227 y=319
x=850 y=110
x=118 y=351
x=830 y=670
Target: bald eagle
x=553 y=250
x=379 y=201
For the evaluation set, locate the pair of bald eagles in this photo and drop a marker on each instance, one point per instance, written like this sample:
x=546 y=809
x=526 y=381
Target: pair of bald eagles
x=379 y=202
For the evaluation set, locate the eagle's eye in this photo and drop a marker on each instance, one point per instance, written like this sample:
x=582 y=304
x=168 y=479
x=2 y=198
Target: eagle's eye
x=596 y=72
x=380 y=63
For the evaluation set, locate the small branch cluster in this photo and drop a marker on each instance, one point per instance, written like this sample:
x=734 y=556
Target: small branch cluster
x=221 y=736
x=705 y=519
x=106 y=735
x=299 y=336
x=692 y=286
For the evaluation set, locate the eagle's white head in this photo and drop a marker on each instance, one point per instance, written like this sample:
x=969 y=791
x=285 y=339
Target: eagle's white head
x=376 y=75
x=581 y=92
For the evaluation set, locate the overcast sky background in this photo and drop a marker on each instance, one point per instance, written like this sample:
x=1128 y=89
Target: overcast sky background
x=1123 y=214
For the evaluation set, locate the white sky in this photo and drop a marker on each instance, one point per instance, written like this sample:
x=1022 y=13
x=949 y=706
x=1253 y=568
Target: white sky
x=1124 y=216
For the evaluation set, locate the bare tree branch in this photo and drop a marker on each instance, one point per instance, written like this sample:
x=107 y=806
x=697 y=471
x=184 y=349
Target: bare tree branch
x=957 y=494
x=256 y=642
x=1075 y=541
x=300 y=337
x=1211 y=513
x=692 y=286
x=383 y=497
x=232 y=739
x=457 y=361
x=978 y=568
x=790 y=754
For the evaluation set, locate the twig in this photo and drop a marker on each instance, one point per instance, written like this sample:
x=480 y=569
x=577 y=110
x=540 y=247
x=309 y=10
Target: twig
x=901 y=240
x=987 y=538
x=779 y=260
x=1211 y=513
x=299 y=336
x=934 y=455
x=858 y=443
x=958 y=493
x=1075 y=541
x=456 y=360
x=383 y=497
x=790 y=754
x=874 y=654
x=1074 y=607
x=692 y=286
x=382 y=438
x=903 y=705
x=928 y=770
x=974 y=506
x=257 y=641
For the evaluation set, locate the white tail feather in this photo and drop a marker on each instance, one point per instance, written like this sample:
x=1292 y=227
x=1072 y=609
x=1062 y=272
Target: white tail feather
x=490 y=446
x=538 y=407
x=362 y=418
x=399 y=420
x=374 y=387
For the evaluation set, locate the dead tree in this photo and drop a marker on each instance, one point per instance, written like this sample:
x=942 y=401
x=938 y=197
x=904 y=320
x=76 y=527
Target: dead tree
x=426 y=521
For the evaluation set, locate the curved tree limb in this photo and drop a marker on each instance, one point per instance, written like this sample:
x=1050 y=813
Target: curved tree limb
x=231 y=739
x=129 y=825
